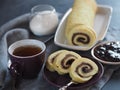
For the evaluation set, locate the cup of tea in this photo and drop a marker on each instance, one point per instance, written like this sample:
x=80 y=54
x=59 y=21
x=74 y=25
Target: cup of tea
x=27 y=58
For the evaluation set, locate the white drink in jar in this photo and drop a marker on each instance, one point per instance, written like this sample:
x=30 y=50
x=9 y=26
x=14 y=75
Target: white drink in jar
x=44 y=22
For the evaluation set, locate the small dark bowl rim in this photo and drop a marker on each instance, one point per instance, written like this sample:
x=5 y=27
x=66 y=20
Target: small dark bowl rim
x=101 y=60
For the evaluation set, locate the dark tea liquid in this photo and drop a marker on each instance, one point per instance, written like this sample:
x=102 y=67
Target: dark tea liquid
x=27 y=50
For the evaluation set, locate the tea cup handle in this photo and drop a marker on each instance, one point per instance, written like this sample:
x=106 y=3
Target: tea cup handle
x=15 y=69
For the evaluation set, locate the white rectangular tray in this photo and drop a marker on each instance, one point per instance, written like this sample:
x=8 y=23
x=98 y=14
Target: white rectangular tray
x=101 y=24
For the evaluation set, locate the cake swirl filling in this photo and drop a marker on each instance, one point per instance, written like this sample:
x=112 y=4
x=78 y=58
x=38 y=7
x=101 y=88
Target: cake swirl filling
x=52 y=60
x=80 y=38
x=83 y=68
x=67 y=61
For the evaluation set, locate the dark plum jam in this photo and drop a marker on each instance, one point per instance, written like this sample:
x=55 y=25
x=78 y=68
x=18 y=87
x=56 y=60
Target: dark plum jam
x=108 y=52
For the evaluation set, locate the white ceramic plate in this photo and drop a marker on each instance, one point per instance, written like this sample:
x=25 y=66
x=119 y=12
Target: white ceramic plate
x=101 y=24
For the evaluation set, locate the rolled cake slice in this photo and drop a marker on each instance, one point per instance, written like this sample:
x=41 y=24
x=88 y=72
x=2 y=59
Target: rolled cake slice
x=83 y=70
x=63 y=62
x=51 y=58
x=79 y=25
x=81 y=35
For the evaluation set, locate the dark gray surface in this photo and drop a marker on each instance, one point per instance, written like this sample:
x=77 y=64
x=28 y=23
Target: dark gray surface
x=10 y=9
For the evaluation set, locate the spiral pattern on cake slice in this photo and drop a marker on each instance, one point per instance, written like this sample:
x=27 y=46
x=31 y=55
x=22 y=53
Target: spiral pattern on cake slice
x=51 y=59
x=83 y=70
x=63 y=62
x=81 y=35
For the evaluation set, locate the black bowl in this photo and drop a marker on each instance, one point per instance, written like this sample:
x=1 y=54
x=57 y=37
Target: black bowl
x=106 y=59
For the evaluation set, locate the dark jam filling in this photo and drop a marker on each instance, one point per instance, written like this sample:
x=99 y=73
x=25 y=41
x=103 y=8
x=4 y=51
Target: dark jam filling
x=108 y=52
x=80 y=38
